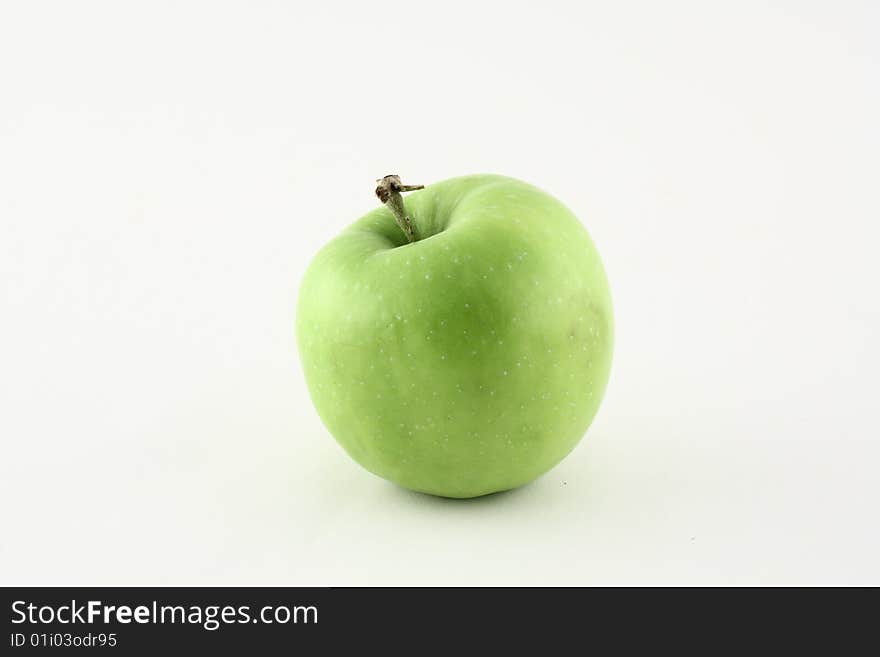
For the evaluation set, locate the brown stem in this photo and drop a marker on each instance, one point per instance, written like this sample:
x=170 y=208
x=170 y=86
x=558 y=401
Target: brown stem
x=388 y=190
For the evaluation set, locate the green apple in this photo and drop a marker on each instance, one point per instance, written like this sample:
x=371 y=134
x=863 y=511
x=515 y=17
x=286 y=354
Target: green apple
x=471 y=360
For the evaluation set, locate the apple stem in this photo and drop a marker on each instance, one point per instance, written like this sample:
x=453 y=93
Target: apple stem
x=388 y=190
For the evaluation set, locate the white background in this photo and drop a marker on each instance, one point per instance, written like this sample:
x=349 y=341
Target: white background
x=167 y=170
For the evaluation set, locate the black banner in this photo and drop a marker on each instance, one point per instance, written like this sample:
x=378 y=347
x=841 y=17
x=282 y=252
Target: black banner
x=148 y=620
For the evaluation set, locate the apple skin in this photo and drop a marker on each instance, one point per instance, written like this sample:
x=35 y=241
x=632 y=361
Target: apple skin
x=471 y=361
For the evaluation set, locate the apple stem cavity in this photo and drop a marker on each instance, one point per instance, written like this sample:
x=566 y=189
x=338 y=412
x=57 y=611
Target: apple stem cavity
x=388 y=190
